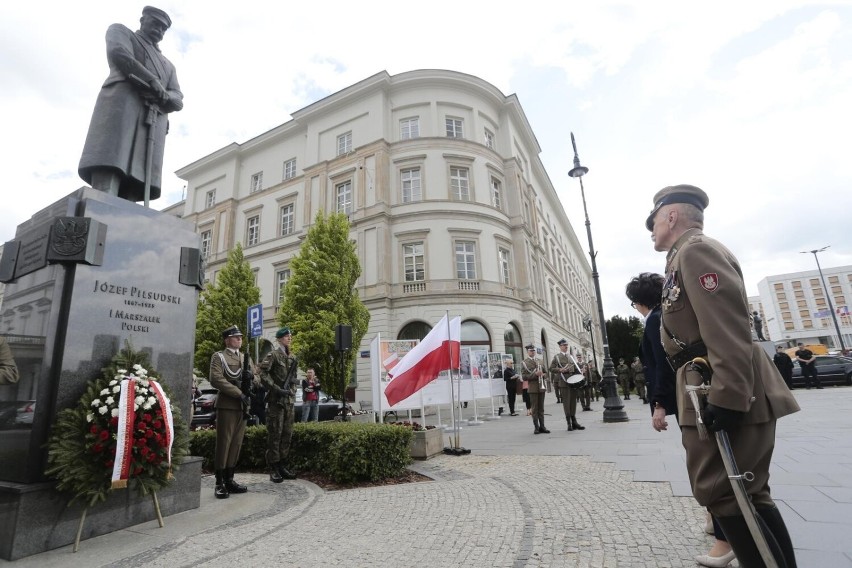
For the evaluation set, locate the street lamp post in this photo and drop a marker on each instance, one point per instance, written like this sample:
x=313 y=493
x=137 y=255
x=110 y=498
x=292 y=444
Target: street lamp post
x=613 y=405
x=587 y=325
x=827 y=295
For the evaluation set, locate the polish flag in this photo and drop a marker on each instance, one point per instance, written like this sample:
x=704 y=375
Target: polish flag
x=438 y=352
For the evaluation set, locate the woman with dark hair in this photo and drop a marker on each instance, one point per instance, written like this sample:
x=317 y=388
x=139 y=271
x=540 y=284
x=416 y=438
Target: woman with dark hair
x=645 y=293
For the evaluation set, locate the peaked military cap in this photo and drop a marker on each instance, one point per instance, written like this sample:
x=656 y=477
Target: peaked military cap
x=530 y=346
x=282 y=332
x=232 y=331
x=157 y=14
x=562 y=341
x=677 y=194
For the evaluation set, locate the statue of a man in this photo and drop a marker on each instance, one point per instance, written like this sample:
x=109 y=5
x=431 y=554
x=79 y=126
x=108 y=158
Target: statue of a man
x=130 y=119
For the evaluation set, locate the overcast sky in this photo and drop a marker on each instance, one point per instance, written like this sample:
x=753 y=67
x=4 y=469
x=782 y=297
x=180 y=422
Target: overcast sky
x=751 y=101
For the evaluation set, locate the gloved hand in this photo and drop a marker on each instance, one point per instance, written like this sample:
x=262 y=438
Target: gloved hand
x=717 y=418
x=282 y=392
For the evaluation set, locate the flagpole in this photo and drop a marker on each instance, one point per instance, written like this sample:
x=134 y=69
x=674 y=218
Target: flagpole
x=457 y=450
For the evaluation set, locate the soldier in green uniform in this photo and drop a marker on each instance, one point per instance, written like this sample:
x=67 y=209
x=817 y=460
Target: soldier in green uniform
x=278 y=373
x=623 y=372
x=638 y=371
x=705 y=319
x=532 y=372
x=226 y=374
x=561 y=368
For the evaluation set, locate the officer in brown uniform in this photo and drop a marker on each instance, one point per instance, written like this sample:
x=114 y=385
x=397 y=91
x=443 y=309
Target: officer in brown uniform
x=562 y=367
x=278 y=373
x=532 y=372
x=226 y=373
x=705 y=314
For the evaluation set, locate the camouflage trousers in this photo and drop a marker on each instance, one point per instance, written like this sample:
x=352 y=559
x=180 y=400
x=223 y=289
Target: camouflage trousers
x=279 y=427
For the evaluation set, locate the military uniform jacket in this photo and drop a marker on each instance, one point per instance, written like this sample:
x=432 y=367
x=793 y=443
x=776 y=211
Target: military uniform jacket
x=623 y=372
x=536 y=384
x=230 y=396
x=277 y=372
x=561 y=360
x=704 y=299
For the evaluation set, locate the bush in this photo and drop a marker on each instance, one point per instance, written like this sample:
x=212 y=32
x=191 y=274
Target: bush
x=346 y=452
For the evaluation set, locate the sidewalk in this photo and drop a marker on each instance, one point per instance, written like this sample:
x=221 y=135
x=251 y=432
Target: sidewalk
x=611 y=495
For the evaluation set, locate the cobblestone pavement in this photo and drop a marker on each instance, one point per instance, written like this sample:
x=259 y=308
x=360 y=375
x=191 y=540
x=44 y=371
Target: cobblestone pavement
x=614 y=495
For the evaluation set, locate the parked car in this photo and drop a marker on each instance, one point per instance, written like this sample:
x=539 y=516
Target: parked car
x=8 y=413
x=832 y=370
x=205 y=412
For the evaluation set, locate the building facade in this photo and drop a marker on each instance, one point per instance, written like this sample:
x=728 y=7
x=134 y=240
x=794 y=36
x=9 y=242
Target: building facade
x=797 y=308
x=448 y=201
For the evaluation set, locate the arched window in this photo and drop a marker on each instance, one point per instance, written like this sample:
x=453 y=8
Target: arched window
x=414 y=330
x=513 y=342
x=474 y=335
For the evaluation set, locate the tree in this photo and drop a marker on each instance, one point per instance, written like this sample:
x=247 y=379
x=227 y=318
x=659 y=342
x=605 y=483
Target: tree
x=625 y=337
x=321 y=294
x=222 y=305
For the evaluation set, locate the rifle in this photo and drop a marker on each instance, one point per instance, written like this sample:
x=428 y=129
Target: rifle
x=245 y=385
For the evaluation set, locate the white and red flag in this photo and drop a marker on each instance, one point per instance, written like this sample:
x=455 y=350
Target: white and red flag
x=439 y=351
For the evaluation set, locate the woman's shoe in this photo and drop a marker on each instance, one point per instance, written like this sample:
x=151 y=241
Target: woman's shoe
x=716 y=561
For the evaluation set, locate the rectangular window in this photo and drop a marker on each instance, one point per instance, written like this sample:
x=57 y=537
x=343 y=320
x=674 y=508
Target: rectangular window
x=289 y=169
x=410 y=182
x=206 y=241
x=779 y=286
x=413 y=261
x=253 y=231
x=454 y=127
x=504 y=258
x=459 y=183
x=211 y=199
x=344 y=143
x=409 y=128
x=489 y=139
x=344 y=197
x=281 y=278
x=256 y=182
x=465 y=260
x=496 y=193
x=287 y=219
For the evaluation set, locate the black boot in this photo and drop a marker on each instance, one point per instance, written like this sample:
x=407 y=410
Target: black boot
x=221 y=491
x=570 y=426
x=773 y=519
x=542 y=429
x=536 y=429
x=274 y=475
x=284 y=472
x=231 y=485
x=739 y=537
x=576 y=424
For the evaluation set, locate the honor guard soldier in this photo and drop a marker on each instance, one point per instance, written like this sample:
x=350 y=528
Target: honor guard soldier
x=227 y=376
x=562 y=367
x=278 y=373
x=706 y=334
x=532 y=372
x=623 y=372
x=638 y=371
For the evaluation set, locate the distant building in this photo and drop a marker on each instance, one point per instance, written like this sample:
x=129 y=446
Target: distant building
x=450 y=207
x=797 y=310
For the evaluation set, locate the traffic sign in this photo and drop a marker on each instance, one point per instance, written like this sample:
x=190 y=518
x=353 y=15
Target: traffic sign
x=255 y=320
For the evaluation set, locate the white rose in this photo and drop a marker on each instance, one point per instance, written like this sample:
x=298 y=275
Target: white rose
x=114 y=412
x=122 y=371
x=152 y=400
x=103 y=410
x=96 y=402
x=90 y=417
x=137 y=366
x=110 y=401
x=146 y=406
x=116 y=389
x=104 y=392
x=138 y=400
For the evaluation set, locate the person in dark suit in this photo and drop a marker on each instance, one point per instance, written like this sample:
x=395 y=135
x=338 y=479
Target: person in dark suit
x=784 y=364
x=706 y=333
x=142 y=87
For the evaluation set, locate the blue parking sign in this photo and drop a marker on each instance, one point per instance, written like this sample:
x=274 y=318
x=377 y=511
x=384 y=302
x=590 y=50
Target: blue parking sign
x=255 y=320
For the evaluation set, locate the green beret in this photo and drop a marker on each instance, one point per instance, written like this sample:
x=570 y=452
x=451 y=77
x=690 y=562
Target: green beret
x=677 y=194
x=282 y=332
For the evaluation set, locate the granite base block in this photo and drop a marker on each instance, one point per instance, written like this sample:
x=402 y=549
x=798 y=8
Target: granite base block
x=37 y=518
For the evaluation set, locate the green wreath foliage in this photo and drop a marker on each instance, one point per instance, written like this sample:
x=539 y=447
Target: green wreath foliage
x=82 y=444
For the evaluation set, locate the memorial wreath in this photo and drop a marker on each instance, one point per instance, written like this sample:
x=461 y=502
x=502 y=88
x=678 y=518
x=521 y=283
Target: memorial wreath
x=124 y=430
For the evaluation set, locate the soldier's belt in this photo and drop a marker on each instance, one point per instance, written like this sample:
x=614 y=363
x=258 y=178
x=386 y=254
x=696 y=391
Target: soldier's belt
x=689 y=353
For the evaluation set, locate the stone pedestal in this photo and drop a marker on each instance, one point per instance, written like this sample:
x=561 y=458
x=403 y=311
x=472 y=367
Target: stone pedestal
x=82 y=277
x=426 y=443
